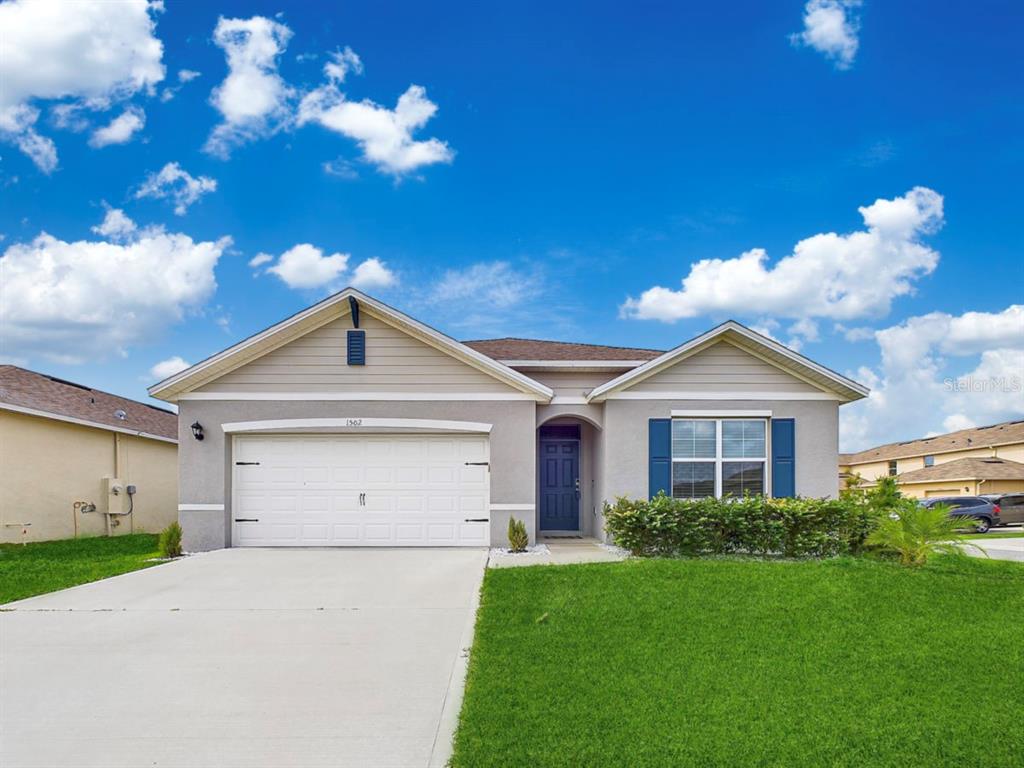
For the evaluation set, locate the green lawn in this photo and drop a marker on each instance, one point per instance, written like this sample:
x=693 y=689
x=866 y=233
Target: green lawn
x=45 y=566
x=847 y=662
x=994 y=535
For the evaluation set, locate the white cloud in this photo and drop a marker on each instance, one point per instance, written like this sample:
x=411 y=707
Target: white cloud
x=89 y=51
x=305 y=266
x=74 y=301
x=827 y=276
x=120 y=130
x=496 y=284
x=254 y=100
x=168 y=367
x=384 y=135
x=859 y=333
x=178 y=185
x=340 y=168
x=967 y=369
x=831 y=27
x=184 y=76
x=116 y=226
x=372 y=273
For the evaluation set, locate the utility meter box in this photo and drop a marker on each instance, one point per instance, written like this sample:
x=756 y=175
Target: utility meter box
x=114 y=496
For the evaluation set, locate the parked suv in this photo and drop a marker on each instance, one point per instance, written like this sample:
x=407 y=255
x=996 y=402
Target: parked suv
x=1011 y=506
x=984 y=511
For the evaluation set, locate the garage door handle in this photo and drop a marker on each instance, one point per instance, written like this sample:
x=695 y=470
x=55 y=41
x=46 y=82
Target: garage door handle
x=478 y=463
x=247 y=519
x=247 y=463
x=475 y=520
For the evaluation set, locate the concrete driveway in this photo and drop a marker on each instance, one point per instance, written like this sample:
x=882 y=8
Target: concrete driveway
x=998 y=549
x=243 y=658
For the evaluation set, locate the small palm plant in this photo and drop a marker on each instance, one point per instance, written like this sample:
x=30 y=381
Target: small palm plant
x=518 y=539
x=915 y=532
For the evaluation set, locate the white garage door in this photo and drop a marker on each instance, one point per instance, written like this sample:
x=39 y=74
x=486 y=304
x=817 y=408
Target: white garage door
x=371 y=491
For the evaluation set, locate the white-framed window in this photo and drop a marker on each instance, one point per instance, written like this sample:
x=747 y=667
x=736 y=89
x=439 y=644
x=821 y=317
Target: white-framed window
x=718 y=457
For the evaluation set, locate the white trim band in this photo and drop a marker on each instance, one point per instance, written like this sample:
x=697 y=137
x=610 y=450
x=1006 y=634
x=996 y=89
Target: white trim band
x=200 y=507
x=361 y=396
x=568 y=400
x=356 y=423
x=722 y=396
x=720 y=414
x=512 y=507
x=85 y=423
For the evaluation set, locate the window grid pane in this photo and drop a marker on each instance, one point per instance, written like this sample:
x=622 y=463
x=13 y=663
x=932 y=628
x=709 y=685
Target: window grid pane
x=739 y=477
x=693 y=479
x=743 y=439
x=693 y=439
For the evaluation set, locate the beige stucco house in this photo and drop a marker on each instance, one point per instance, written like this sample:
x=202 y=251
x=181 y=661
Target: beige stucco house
x=353 y=424
x=69 y=455
x=966 y=462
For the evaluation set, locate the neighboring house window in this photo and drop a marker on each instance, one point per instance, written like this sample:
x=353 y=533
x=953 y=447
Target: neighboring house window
x=929 y=461
x=892 y=469
x=715 y=457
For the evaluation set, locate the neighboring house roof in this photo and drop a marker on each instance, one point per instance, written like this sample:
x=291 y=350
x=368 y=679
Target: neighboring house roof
x=525 y=351
x=37 y=394
x=320 y=314
x=961 y=440
x=971 y=468
x=769 y=350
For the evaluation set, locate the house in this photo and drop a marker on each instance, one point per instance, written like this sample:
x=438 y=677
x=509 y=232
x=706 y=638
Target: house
x=352 y=424
x=969 y=461
x=70 y=454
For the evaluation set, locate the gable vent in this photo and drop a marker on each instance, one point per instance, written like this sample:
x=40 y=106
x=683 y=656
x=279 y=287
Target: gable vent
x=357 y=347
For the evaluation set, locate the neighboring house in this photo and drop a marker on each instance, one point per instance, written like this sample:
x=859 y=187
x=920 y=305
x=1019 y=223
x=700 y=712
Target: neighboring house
x=68 y=454
x=968 y=461
x=352 y=424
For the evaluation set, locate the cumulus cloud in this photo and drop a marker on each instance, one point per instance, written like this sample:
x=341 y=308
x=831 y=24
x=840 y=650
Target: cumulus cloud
x=116 y=226
x=253 y=100
x=305 y=266
x=831 y=28
x=174 y=183
x=260 y=259
x=167 y=368
x=91 y=52
x=828 y=275
x=120 y=130
x=86 y=300
x=940 y=372
x=384 y=135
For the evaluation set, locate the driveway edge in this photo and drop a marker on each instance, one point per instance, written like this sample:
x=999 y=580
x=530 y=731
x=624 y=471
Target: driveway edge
x=443 y=747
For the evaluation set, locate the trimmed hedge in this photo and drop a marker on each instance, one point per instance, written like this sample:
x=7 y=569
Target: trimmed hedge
x=754 y=525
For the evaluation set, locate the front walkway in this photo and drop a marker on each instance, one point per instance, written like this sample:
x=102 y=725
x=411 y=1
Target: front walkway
x=559 y=552
x=243 y=657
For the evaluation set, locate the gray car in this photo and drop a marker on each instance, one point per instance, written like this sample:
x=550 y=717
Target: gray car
x=1011 y=506
x=985 y=513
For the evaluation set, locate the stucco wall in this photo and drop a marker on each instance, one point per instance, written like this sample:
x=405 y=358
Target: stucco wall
x=625 y=446
x=48 y=465
x=873 y=470
x=205 y=467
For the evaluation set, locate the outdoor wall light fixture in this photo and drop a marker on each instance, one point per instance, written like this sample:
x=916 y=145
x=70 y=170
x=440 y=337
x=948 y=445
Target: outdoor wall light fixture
x=197 y=431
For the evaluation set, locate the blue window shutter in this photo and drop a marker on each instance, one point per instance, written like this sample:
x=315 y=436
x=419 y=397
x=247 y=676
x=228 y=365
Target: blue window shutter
x=783 y=458
x=357 y=347
x=659 y=456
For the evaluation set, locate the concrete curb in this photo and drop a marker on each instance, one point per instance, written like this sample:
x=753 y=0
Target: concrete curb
x=441 y=752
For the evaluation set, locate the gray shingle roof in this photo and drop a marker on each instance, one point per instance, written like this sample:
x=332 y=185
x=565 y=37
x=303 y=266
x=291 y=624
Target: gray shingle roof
x=963 y=439
x=972 y=468
x=38 y=392
x=538 y=349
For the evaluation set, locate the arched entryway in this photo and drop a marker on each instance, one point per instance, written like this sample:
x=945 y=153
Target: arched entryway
x=568 y=493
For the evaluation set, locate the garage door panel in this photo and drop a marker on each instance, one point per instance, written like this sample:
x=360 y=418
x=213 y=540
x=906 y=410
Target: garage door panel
x=404 y=490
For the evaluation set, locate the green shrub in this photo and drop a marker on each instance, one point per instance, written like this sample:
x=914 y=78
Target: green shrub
x=752 y=525
x=914 y=532
x=517 y=537
x=170 y=541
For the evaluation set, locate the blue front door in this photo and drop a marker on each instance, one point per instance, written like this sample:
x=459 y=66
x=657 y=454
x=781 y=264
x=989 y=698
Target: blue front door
x=559 y=485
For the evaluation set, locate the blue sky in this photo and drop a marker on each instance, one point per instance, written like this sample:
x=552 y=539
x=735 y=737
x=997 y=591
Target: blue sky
x=559 y=163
